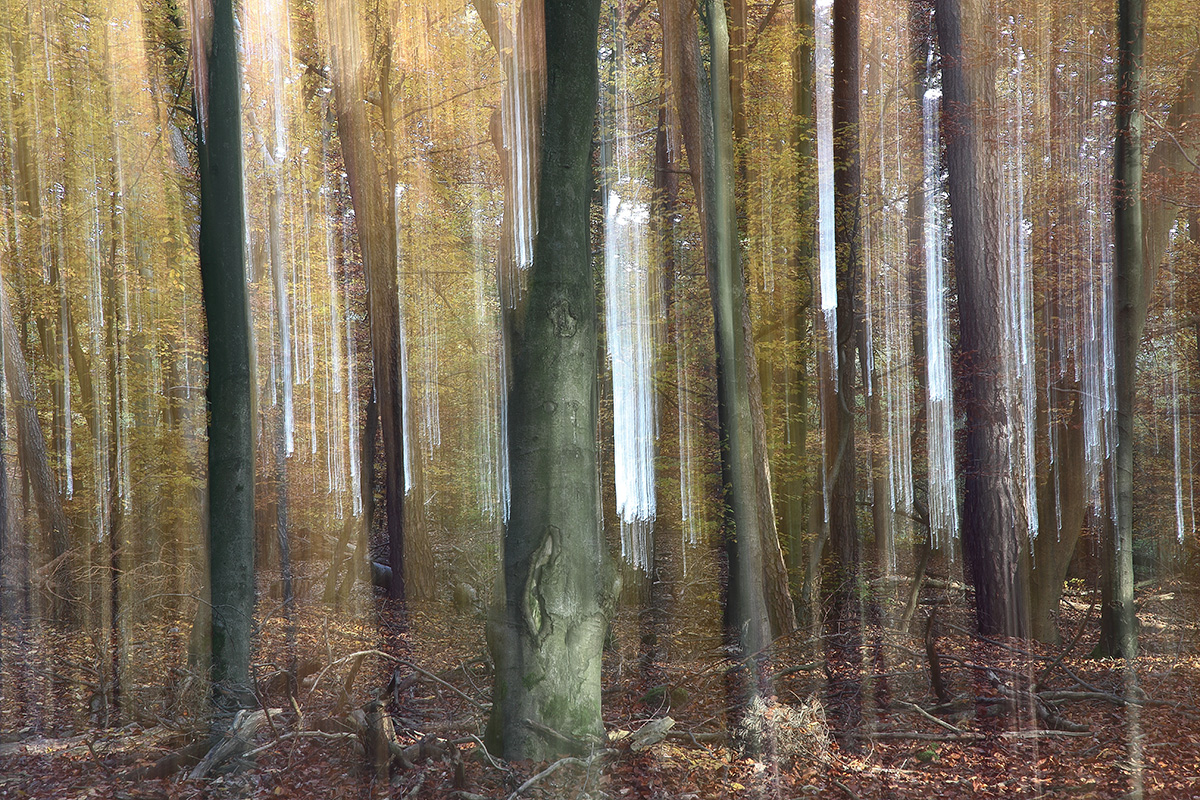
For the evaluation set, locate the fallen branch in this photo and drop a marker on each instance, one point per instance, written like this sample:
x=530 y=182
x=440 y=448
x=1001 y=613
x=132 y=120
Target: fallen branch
x=1016 y=698
x=928 y=737
x=171 y=763
x=234 y=743
x=1040 y=733
x=378 y=734
x=557 y=765
x=939 y=722
x=697 y=737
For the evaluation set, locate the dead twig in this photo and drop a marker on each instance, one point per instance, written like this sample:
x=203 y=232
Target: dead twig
x=939 y=722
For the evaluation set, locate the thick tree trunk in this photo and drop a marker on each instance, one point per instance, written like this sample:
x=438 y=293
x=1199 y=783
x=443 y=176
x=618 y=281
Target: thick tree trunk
x=1118 y=617
x=547 y=633
x=992 y=514
x=230 y=390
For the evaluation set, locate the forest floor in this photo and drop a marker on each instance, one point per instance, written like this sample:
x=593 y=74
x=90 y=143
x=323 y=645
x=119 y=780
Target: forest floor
x=1024 y=720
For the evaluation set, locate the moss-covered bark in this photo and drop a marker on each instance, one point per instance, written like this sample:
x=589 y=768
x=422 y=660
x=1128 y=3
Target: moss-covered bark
x=546 y=632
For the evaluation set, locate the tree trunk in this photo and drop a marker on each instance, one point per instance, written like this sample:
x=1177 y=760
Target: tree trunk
x=230 y=428
x=1118 y=618
x=408 y=551
x=843 y=572
x=703 y=143
x=1060 y=522
x=547 y=634
x=745 y=609
x=796 y=489
x=992 y=514
x=31 y=450
x=1056 y=543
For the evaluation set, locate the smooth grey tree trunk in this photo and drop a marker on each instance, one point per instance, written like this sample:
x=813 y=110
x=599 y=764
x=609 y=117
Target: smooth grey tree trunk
x=546 y=631
x=1118 y=617
x=230 y=430
x=796 y=488
x=745 y=608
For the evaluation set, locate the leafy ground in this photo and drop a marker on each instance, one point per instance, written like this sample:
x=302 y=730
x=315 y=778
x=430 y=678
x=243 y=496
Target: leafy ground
x=431 y=671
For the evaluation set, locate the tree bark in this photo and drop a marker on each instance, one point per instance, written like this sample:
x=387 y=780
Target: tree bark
x=1172 y=156
x=745 y=608
x=547 y=632
x=1118 y=618
x=31 y=449
x=843 y=568
x=230 y=428
x=408 y=548
x=694 y=101
x=796 y=488
x=1060 y=522
x=992 y=513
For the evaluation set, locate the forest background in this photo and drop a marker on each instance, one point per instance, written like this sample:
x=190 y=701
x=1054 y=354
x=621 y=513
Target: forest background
x=725 y=346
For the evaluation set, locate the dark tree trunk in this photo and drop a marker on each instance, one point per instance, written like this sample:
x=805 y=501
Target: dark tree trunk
x=1118 y=617
x=230 y=428
x=843 y=573
x=546 y=633
x=992 y=514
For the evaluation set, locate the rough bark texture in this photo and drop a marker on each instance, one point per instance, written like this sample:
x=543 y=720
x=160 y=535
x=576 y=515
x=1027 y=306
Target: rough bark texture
x=1118 y=618
x=230 y=431
x=547 y=630
x=992 y=514
x=408 y=548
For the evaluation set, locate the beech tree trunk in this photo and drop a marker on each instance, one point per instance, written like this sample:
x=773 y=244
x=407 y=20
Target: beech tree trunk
x=31 y=448
x=1118 y=618
x=707 y=145
x=745 y=607
x=843 y=575
x=546 y=633
x=796 y=487
x=993 y=517
x=230 y=389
